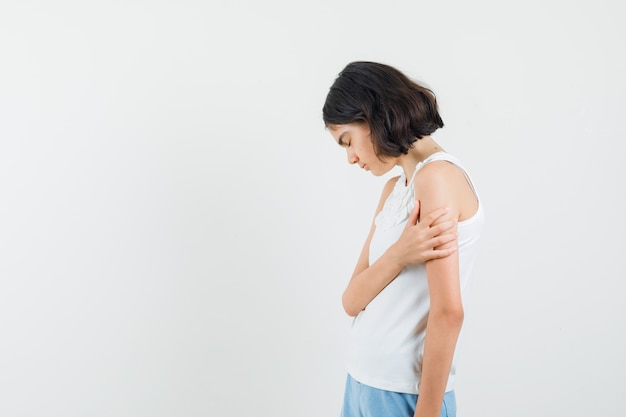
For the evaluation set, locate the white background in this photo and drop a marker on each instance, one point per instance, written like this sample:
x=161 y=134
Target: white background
x=176 y=225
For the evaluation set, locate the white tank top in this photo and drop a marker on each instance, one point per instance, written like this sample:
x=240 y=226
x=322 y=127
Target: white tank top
x=387 y=338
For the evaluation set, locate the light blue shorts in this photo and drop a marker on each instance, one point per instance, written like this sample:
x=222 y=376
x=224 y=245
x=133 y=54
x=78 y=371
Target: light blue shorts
x=361 y=400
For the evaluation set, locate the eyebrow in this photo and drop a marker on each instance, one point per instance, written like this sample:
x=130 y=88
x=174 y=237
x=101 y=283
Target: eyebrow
x=340 y=140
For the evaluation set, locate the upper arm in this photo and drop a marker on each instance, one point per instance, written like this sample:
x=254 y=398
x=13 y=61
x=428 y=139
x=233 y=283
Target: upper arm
x=436 y=186
x=363 y=261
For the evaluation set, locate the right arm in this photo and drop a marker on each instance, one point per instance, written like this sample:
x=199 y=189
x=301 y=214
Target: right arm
x=415 y=245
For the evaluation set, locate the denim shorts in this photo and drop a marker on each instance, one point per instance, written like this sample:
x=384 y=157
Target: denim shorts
x=361 y=400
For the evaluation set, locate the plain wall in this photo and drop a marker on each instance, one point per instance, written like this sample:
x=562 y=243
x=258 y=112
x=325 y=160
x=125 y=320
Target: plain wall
x=177 y=226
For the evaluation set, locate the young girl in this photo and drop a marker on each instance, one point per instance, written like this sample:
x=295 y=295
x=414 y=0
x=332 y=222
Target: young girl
x=406 y=292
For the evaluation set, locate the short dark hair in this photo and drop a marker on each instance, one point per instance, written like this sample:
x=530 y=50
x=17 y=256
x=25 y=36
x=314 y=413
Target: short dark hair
x=398 y=110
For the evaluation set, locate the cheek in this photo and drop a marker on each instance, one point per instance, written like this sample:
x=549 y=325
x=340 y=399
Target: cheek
x=369 y=151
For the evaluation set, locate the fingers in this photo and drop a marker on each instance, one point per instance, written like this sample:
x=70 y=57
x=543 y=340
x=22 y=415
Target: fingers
x=435 y=215
x=442 y=253
x=438 y=241
x=447 y=226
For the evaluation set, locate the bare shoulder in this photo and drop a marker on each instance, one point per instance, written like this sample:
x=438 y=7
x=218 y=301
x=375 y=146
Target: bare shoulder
x=442 y=183
x=437 y=172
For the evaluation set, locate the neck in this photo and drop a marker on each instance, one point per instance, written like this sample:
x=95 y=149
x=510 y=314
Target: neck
x=421 y=150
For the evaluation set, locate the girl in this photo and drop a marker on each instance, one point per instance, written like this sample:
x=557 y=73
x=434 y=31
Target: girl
x=406 y=292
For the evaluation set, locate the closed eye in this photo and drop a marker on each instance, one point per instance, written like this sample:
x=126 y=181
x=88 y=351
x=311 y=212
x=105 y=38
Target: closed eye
x=341 y=142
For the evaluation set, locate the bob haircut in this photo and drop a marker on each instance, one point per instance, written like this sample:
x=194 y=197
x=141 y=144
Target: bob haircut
x=398 y=110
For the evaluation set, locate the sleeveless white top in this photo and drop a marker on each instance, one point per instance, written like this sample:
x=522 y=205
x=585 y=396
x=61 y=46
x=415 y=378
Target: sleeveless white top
x=387 y=338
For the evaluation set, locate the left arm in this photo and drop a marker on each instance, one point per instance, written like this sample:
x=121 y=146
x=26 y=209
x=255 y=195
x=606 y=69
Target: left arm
x=437 y=185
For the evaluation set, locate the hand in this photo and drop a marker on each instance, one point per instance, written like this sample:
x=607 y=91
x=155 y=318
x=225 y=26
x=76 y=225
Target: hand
x=419 y=241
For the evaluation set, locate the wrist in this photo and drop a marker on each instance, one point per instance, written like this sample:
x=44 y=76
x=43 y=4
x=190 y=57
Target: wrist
x=394 y=257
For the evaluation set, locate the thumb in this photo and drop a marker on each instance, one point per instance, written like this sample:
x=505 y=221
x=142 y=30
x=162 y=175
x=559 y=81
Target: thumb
x=415 y=214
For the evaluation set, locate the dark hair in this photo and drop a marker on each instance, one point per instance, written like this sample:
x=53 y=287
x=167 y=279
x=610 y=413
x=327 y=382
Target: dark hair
x=398 y=110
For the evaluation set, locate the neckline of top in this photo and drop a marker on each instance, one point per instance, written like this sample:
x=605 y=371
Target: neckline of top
x=406 y=184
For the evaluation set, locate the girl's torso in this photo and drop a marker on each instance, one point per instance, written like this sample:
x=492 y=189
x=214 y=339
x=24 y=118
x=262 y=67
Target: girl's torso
x=387 y=338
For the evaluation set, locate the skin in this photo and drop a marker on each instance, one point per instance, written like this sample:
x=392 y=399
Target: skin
x=446 y=198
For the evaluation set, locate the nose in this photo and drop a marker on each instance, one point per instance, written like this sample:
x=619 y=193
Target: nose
x=352 y=158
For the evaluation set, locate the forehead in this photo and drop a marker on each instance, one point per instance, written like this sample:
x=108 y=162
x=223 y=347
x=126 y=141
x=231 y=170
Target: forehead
x=337 y=130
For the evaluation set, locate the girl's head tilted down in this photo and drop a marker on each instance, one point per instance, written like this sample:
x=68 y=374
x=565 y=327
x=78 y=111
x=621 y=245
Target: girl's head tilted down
x=396 y=110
